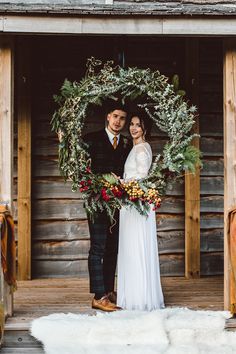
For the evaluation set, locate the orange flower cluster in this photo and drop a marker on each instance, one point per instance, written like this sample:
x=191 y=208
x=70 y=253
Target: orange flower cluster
x=135 y=192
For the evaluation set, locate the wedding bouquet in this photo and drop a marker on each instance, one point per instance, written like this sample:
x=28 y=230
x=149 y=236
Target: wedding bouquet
x=106 y=192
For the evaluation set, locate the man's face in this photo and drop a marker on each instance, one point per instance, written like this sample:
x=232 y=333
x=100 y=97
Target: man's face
x=116 y=121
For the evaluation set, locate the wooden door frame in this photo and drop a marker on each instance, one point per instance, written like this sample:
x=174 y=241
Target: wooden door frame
x=23 y=104
x=229 y=73
x=6 y=141
x=229 y=198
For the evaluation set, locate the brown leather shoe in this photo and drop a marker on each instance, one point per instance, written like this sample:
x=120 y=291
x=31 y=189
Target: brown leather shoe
x=104 y=304
x=112 y=296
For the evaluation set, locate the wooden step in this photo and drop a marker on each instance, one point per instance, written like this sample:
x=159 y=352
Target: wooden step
x=40 y=297
x=17 y=338
x=22 y=351
x=230 y=324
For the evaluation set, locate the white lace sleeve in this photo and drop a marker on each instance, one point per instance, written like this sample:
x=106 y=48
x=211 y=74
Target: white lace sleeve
x=143 y=158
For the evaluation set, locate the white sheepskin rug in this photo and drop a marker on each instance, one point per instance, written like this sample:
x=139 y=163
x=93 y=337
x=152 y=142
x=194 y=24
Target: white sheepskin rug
x=169 y=331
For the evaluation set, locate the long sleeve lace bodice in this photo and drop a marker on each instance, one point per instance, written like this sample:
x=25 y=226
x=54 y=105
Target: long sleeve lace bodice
x=138 y=162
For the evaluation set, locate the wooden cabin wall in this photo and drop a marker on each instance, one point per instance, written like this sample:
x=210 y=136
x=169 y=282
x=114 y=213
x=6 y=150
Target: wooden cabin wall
x=60 y=237
x=211 y=144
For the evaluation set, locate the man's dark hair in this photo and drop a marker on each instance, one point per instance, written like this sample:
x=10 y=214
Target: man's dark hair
x=117 y=105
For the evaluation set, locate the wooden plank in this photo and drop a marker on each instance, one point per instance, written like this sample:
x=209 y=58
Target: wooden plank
x=53 y=188
x=60 y=230
x=6 y=116
x=176 y=26
x=20 y=339
x=58 y=209
x=79 y=268
x=22 y=351
x=212 y=240
x=210 y=146
x=229 y=150
x=211 y=221
x=211 y=124
x=212 y=263
x=175 y=8
x=171 y=242
x=212 y=167
x=176 y=222
x=130 y=26
x=56 y=188
x=212 y=204
x=6 y=138
x=53 y=209
x=45 y=167
x=48 y=167
x=171 y=265
x=61 y=250
x=45 y=296
x=192 y=182
x=24 y=159
x=211 y=102
x=46 y=269
x=73 y=210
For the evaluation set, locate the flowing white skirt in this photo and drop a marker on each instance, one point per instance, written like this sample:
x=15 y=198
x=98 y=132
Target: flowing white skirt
x=138 y=281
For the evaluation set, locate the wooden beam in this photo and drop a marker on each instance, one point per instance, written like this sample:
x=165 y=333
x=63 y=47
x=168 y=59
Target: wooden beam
x=127 y=25
x=229 y=152
x=24 y=159
x=6 y=138
x=192 y=181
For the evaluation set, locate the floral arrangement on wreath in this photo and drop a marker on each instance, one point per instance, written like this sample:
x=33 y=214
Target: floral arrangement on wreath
x=164 y=104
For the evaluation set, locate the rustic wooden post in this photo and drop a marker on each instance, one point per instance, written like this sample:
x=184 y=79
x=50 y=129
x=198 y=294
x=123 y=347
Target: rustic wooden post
x=6 y=138
x=229 y=152
x=24 y=159
x=192 y=181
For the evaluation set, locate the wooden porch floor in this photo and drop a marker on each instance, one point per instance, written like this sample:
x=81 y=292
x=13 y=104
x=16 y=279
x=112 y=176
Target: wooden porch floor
x=40 y=297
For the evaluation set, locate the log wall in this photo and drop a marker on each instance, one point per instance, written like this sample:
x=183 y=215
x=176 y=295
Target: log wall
x=60 y=238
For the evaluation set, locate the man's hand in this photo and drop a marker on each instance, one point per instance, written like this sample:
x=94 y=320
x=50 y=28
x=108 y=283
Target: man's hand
x=116 y=177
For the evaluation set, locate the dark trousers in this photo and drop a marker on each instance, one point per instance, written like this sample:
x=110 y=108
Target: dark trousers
x=103 y=253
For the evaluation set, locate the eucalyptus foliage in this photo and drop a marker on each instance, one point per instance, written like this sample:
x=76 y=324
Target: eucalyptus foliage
x=164 y=104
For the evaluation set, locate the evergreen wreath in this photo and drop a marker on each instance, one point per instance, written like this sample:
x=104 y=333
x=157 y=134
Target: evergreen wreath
x=164 y=104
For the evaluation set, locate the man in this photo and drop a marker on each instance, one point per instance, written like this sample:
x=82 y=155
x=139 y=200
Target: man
x=108 y=151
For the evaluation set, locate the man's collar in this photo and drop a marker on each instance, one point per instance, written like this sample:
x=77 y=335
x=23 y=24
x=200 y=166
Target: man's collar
x=110 y=135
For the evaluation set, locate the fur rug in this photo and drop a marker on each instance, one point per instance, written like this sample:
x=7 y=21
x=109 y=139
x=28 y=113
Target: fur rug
x=169 y=331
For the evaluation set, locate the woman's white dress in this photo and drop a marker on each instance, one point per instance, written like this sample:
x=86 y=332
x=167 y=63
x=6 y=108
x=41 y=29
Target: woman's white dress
x=138 y=281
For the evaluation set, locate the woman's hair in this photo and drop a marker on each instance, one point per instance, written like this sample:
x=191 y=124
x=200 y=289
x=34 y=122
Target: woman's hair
x=145 y=122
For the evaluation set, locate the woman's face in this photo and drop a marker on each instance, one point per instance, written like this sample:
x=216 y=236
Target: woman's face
x=135 y=128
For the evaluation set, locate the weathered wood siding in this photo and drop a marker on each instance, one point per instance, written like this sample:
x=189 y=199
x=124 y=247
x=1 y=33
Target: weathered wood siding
x=60 y=238
x=211 y=143
x=121 y=7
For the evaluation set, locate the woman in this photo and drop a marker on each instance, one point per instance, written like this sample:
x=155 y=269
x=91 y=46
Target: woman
x=138 y=284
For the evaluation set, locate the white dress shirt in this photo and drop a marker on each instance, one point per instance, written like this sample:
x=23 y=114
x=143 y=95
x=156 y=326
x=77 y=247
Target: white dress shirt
x=111 y=136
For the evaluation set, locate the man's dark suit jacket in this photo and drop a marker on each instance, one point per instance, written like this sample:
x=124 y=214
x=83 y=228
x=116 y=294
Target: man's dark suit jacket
x=104 y=158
